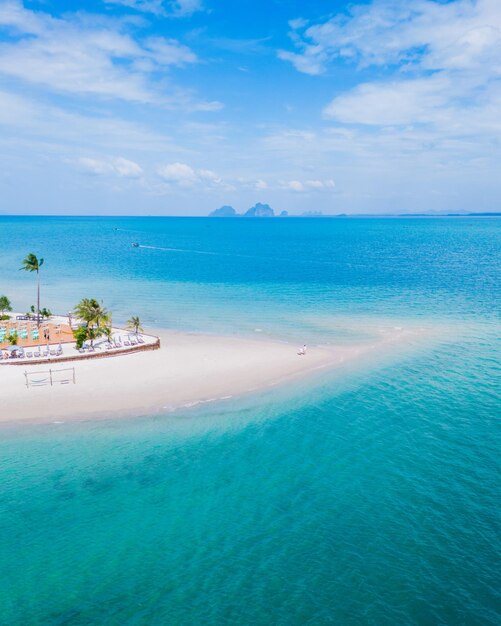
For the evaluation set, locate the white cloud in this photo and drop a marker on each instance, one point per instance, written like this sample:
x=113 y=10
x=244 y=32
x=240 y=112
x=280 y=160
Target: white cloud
x=127 y=169
x=94 y=166
x=320 y=184
x=295 y=185
x=186 y=7
x=311 y=61
x=183 y=175
x=308 y=185
x=90 y=55
x=440 y=63
x=261 y=184
x=175 y=8
x=169 y=52
x=121 y=167
x=463 y=34
x=179 y=173
x=397 y=102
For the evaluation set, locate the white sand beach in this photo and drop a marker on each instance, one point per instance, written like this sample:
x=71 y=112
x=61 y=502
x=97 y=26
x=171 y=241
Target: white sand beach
x=187 y=369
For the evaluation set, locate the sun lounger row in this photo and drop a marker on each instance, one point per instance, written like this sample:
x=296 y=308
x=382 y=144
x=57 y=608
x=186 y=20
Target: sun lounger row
x=37 y=353
x=115 y=344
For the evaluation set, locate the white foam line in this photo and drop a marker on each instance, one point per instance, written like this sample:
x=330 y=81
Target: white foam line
x=180 y=250
x=189 y=405
x=241 y=256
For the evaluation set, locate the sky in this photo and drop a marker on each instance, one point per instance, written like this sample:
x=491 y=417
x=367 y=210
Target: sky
x=176 y=107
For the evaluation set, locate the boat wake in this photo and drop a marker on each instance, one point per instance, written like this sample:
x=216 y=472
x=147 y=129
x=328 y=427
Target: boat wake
x=180 y=250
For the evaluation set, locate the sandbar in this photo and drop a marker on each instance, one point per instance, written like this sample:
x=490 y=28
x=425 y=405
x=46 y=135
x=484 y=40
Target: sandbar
x=189 y=368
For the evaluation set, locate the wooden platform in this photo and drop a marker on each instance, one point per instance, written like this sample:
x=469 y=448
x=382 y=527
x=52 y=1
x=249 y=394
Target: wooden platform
x=57 y=333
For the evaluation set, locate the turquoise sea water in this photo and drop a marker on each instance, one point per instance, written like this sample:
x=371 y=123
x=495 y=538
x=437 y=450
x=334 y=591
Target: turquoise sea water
x=369 y=496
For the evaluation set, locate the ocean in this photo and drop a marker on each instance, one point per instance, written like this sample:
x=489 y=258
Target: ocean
x=364 y=496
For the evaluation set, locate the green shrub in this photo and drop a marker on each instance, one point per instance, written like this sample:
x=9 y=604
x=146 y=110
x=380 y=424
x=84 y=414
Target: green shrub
x=80 y=335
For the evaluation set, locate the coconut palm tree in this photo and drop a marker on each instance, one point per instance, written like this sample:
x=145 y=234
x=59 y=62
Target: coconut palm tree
x=33 y=264
x=92 y=313
x=107 y=332
x=45 y=313
x=134 y=323
x=5 y=305
x=93 y=332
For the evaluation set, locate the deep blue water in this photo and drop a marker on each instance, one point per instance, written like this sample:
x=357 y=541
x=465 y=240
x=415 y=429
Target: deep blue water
x=370 y=496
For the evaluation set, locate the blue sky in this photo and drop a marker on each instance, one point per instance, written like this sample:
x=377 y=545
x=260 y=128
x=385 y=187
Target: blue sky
x=159 y=107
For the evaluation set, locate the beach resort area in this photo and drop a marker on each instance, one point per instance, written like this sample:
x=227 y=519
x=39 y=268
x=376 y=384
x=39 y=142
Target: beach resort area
x=24 y=341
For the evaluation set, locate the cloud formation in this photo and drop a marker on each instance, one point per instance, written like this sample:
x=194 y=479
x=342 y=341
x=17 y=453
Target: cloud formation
x=124 y=168
x=92 y=56
x=174 y=8
x=185 y=176
x=435 y=65
x=426 y=34
x=308 y=185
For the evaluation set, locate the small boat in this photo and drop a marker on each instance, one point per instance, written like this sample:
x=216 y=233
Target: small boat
x=135 y=245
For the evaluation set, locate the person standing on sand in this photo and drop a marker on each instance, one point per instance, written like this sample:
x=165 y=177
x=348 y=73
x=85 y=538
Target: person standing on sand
x=302 y=351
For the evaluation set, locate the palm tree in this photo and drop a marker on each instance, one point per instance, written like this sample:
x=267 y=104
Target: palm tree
x=32 y=264
x=107 y=332
x=134 y=323
x=95 y=316
x=93 y=332
x=45 y=313
x=5 y=305
x=92 y=313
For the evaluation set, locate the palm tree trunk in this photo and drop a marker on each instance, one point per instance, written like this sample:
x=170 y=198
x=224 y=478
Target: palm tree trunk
x=38 y=299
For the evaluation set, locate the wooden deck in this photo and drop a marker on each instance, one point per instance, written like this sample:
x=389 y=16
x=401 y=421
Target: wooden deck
x=57 y=333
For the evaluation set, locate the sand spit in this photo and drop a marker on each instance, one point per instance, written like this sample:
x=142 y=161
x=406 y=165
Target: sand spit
x=187 y=370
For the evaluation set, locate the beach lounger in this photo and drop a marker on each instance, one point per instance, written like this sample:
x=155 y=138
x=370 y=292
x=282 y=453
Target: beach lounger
x=126 y=342
x=140 y=340
x=133 y=342
x=36 y=354
x=29 y=355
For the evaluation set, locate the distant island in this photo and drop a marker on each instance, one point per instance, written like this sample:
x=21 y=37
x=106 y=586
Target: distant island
x=258 y=210
x=264 y=210
x=224 y=211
